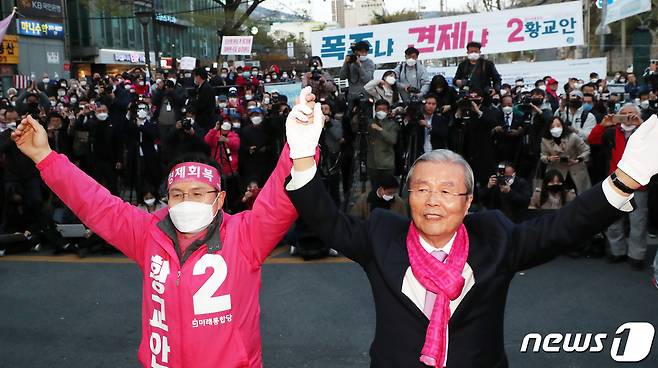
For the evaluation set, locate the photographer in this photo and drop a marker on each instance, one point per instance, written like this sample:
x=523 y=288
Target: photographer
x=507 y=192
x=185 y=138
x=413 y=78
x=382 y=137
x=535 y=122
x=256 y=149
x=106 y=148
x=330 y=146
x=446 y=96
x=142 y=155
x=566 y=152
x=613 y=134
x=476 y=71
x=320 y=80
x=475 y=121
x=575 y=115
x=648 y=104
x=224 y=146
x=386 y=88
x=385 y=197
x=358 y=69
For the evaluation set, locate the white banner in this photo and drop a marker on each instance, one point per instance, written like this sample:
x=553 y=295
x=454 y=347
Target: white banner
x=560 y=70
x=187 y=63
x=620 y=9
x=237 y=45
x=531 y=28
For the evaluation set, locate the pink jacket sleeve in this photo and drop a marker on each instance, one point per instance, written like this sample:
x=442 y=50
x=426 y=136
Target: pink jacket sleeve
x=272 y=214
x=119 y=223
x=211 y=138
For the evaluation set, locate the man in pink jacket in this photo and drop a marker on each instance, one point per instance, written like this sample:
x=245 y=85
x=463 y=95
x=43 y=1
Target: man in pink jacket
x=201 y=267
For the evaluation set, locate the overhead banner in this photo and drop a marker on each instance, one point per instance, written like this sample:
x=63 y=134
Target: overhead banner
x=531 y=28
x=560 y=70
x=237 y=45
x=620 y=9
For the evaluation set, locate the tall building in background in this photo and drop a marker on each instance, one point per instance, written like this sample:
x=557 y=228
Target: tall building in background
x=360 y=12
x=106 y=43
x=338 y=12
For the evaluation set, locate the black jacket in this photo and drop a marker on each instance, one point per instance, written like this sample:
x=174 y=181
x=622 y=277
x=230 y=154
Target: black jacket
x=512 y=204
x=497 y=250
x=482 y=75
x=18 y=167
x=204 y=105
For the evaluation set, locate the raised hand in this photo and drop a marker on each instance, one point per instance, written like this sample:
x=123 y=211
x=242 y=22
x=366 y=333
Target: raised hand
x=304 y=126
x=32 y=139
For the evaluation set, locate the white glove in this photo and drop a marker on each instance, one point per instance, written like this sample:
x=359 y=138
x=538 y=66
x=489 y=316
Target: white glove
x=640 y=156
x=304 y=126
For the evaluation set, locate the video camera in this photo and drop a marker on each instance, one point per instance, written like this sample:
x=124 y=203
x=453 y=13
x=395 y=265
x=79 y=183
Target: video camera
x=316 y=71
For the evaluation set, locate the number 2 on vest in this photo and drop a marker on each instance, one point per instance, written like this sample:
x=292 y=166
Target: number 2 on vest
x=204 y=301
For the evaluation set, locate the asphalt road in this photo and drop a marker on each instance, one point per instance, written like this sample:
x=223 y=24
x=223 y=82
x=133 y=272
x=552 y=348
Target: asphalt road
x=84 y=314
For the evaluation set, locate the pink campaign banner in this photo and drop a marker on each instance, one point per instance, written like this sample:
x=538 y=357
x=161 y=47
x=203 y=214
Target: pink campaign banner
x=530 y=28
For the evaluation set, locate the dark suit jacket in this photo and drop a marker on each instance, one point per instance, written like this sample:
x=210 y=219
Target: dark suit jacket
x=205 y=105
x=497 y=249
x=483 y=74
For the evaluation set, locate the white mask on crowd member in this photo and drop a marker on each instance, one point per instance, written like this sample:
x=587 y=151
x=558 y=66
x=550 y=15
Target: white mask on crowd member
x=102 y=116
x=256 y=120
x=644 y=104
x=542 y=87
x=221 y=105
x=126 y=86
x=191 y=217
x=473 y=56
x=248 y=97
x=45 y=80
x=507 y=110
x=390 y=80
x=628 y=127
x=73 y=100
x=236 y=125
x=142 y=114
x=83 y=83
x=411 y=62
x=141 y=83
x=266 y=100
x=387 y=197
x=556 y=132
x=188 y=75
x=150 y=201
x=226 y=126
x=381 y=115
x=363 y=58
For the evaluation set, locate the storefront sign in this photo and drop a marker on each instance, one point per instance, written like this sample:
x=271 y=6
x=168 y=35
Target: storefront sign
x=9 y=50
x=41 y=8
x=36 y=28
x=166 y=18
x=110 y=56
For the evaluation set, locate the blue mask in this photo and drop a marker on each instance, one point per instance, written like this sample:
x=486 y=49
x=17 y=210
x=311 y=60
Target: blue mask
x=246 y=75
x=587 y=107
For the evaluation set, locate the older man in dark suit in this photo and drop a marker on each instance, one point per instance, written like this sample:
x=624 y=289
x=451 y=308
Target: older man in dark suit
x=440 y=281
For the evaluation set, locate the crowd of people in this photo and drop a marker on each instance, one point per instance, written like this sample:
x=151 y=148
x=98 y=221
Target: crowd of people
x=533 y=145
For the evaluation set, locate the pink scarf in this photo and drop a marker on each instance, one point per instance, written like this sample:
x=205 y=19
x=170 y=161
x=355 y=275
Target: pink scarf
x=443 y=279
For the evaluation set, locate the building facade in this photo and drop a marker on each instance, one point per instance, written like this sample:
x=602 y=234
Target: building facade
x=104 y=41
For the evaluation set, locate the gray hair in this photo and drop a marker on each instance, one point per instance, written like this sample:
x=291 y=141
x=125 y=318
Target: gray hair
x=633 y=106
x=446 y=156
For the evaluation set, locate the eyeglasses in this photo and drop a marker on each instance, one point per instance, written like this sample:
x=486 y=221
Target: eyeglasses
x=195 y=195
x=444 y=194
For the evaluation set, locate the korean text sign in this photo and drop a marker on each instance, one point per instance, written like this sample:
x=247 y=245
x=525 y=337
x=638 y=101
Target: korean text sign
x=36 y=28
x=237 y=45
x=530 y=28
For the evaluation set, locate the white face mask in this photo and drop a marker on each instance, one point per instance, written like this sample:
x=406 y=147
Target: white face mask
x=248 y=97
x=222 y=105
x=192 y=217
x=644 y=104
x=11 y=126
x=266 y=100
x=140 y=83
x=149 y=202
x=507 y=109
x=363 y=58
x=381 y=115
x=387 y=198
x=102 y=116
x=390 y=80
x=142 y=114
x=236 y=125
x=83 y=83
x=542 y=87
x=473 y=56
x=74 y=100
x=45 y=80
x=556 y=132
x=628 y=128
x=411 y=62
x=256 y=120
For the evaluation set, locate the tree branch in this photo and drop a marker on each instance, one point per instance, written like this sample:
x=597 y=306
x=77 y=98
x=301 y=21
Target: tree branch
x=247 y=13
